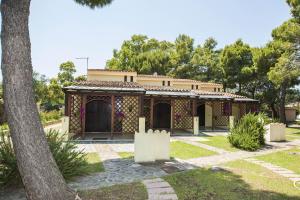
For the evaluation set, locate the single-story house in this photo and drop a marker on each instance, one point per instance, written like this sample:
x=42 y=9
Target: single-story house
x=110 y=103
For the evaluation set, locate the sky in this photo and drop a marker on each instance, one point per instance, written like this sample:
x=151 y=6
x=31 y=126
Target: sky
x=62 y=30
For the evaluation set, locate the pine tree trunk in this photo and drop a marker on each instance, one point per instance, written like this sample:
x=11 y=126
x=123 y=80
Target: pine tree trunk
x=40 y=174
x=282 y=103
x=274 y=111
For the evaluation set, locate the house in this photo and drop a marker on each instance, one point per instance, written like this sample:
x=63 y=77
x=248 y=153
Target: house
x=110 y=102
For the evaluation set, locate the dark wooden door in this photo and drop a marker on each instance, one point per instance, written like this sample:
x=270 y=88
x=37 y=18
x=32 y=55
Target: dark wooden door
x=201 y=114
x=162 y=116
x=98 y=116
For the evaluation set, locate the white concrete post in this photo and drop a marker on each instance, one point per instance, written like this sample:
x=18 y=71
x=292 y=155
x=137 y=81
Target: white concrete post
x=231 y=121
x=196 y=125
x=142 y=125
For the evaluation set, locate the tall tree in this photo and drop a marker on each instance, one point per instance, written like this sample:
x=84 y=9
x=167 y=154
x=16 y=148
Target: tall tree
x=286 y=72
x=205 y=60
x=142 y=55
x=295 y=8
x=39 y=172
x=66 y=73
x=236 y=62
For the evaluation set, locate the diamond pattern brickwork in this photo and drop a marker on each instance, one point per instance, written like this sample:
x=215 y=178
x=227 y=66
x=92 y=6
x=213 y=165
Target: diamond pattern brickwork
x=147 y=112
x=131 y=114
x=182 y=118
x=75 y=114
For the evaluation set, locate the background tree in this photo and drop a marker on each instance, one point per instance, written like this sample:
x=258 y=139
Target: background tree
x=142 y=55
x=205 y=60
x=285 y=74
x=66 y=73
x=237 y=64
x=295 y=8
x=40 y=87
x=39 y=172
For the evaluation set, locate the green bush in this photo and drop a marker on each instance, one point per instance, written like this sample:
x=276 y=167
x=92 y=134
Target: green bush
x=50 y=116
x=70 y=161
x=248 y=133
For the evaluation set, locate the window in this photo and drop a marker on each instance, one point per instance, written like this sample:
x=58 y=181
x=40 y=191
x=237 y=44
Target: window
x=196 y=87
x=163 y=83
x=192 y=87
x=169 y=83
x=219 y=89
x=215 y=89
x=227 y=109
x=131 y=78
x=125 y=78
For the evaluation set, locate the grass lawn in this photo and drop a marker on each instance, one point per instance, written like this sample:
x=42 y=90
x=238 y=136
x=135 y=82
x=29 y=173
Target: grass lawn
x=244 y=180
x=94 y=163
x=132 y=191
x=219 y=142
x=126 y=154
x=292 y=133
x=284 y=159
x=186 y=151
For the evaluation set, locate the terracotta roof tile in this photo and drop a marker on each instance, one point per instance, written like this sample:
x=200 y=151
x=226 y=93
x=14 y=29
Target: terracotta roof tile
x=164 y=88
x=153 y=76
x=113 y=84
x=109 y=70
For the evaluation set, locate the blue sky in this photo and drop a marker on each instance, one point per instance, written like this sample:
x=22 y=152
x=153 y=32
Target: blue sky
x=62 y=30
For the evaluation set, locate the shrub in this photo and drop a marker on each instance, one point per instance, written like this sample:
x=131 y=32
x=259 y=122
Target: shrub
x=50 y=116
x=70 y=161
x=248 y=133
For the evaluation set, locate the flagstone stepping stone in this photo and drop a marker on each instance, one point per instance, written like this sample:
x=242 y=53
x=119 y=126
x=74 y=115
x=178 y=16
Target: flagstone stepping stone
x=158 y=189
x=276 y=169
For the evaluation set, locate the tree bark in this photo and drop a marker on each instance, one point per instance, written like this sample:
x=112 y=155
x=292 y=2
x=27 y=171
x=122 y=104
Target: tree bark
x=282 y=97
x=39 y=172
x=274 y=111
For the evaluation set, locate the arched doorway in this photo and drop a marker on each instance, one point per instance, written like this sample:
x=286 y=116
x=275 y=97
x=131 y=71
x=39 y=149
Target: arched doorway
x=98 y=116
x=201 y=115
x=162 y=116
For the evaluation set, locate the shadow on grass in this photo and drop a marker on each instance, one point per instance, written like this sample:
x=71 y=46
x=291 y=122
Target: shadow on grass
x=133 y=191
x=207 y=184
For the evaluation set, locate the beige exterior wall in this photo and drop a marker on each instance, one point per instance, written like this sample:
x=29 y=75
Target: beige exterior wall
x=150 y=82
x=182 y=86
x=236 y=111
x=102 y=75
x=208 y=115
x=106 y=75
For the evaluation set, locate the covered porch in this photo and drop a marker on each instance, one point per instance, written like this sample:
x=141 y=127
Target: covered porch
x=98 y=111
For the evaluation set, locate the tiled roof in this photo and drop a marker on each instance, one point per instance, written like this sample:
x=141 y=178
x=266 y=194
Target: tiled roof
x=154 y=90
x=109 y=70
x=153 y=76
x=163 y=88
x=106 y=86
x=120 y=84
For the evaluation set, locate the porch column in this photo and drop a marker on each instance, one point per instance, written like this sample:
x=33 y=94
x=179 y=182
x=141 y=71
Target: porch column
x=83 y=113
x=195 y=118
x=112 y=115
x=172 y=116
x=141 y=106
x=213 y=114
x=67 y=104
x=151 y=112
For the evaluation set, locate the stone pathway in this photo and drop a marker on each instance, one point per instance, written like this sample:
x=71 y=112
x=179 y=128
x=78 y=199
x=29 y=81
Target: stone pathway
x=117 y=170
x=276 y=169
x=158 y=189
